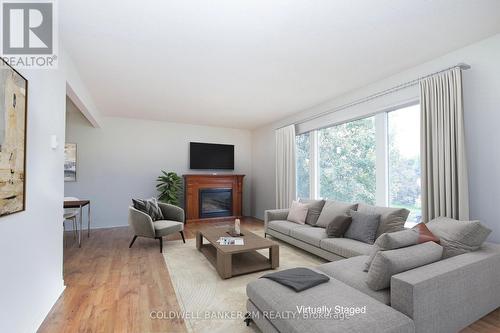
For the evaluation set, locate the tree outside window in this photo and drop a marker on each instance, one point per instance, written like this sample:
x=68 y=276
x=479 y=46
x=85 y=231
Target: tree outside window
x=303 y=146
x=347 y=161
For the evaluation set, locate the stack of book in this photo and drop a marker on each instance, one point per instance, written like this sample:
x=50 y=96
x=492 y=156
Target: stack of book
x=231 y=241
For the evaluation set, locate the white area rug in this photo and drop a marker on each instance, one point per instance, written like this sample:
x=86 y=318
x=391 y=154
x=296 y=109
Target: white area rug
x=201 y=292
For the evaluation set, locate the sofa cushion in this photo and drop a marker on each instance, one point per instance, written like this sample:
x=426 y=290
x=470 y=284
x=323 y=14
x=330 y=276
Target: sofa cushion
x=458 y=237
x=346 y=247
x=387 y=263
x=391 y=219
x=338 y=226
x=363 y=227
x=310 y=235
x=314 y=209
x=271 y=297
x=350 y=271
x=285 y=226
x=167 y=227
x=398 y=239
x=332 y=209
x=297 y=212
x=392 y=241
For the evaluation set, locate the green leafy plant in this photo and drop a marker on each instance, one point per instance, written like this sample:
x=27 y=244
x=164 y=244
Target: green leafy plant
x=169 y=186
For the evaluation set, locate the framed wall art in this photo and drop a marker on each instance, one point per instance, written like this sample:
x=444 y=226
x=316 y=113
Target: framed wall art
x=13 y=117
x=70 y=162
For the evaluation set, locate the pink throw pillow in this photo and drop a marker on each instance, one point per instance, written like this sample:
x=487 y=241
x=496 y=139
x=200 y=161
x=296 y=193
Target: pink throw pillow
x=297 y=213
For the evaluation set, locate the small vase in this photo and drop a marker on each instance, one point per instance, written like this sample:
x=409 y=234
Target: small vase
x=237 y=229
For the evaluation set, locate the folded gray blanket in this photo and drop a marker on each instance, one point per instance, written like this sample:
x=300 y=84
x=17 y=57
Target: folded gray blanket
x=298 y=278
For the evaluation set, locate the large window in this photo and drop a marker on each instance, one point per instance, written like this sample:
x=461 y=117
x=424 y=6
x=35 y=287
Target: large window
x=347 y=161
x=404 y=160
x=303 y=166
x=374 y=160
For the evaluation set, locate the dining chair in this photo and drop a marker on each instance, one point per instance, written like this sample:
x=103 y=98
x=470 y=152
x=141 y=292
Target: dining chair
x=76 y=213
x=73 y=210
x=70 y=216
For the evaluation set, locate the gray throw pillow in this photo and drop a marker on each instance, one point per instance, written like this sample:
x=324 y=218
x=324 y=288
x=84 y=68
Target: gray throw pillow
x=314 y=210
x=458 y=237
x=331 y=210
x=392 y=241
x=363 y=227
x=388 y=263
x=150 y=207
x=391 y=219
x=396 y=240
x=338 y=226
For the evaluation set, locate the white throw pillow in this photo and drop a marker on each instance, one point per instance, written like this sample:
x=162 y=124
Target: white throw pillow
x=297 y=213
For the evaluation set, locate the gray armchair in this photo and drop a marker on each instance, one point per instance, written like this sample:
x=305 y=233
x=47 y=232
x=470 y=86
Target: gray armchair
x=143 y=225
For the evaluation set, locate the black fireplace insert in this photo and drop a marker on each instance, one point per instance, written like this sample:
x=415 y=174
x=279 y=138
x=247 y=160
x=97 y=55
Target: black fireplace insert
x=216 y=202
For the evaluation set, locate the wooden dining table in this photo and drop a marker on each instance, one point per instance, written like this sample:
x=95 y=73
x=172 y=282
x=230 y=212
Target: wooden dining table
x=79 y=204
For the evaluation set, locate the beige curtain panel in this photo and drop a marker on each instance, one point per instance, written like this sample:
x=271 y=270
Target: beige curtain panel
x=445 y=189
x=285 y=166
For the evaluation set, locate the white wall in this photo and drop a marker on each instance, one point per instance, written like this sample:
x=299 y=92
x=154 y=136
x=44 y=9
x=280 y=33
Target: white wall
x=264 y=183
x=122 y=159
x=482 y=116
x=31 y=244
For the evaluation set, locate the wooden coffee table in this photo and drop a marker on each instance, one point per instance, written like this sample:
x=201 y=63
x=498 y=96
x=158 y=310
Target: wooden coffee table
x=233 y=260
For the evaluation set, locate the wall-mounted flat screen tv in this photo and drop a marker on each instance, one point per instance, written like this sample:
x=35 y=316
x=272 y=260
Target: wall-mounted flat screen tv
x=205 y=156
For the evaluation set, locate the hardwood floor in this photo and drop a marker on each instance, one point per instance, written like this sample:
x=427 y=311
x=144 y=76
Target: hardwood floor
x=111 y=288
x=488 y=324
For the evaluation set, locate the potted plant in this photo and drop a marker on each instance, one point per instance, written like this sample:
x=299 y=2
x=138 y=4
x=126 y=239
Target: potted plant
x=169 y=186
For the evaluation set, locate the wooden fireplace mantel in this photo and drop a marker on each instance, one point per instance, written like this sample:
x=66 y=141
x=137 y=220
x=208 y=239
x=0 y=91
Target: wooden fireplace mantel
x=193 y=183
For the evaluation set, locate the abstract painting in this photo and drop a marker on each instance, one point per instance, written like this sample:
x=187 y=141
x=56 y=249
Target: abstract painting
x=70 y=162
x=13 y=108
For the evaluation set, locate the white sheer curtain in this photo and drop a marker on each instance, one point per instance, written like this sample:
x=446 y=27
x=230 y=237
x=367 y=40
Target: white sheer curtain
x=443 y=157
x=285 y=166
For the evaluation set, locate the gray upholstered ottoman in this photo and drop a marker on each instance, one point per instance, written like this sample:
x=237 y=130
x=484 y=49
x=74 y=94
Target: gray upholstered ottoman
x=276 y=308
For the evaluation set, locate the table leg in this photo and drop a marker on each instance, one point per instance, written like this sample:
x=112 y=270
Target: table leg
x=224 y=263
x=199 y=240
x=75 y=227
x=80 y=233
x=88 y=227
x=274 y=256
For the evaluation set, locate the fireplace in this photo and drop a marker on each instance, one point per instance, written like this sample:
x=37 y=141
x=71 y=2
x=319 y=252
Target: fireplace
x=216 y=202
x=194 y=184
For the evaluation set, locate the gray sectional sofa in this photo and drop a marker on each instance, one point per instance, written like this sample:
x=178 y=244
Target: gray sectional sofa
x=444 y=296
x=312 y=239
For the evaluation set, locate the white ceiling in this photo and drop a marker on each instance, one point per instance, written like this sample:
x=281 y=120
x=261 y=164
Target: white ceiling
x=245 y=63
